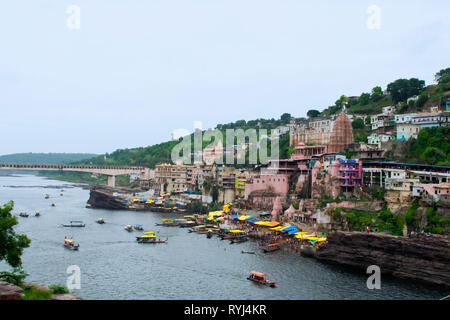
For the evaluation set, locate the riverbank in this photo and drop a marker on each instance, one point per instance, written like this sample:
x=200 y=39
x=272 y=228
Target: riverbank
x=31 y=291
x=425 y=259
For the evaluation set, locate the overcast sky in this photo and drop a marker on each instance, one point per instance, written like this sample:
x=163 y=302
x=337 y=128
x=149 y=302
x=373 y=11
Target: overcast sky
x=138 y=69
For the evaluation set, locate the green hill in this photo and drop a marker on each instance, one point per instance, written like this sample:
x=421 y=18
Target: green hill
x=44 y=158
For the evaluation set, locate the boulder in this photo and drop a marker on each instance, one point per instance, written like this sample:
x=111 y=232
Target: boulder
x=9 y=291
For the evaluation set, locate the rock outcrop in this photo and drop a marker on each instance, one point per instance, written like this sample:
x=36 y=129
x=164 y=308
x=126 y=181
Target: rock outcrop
x=103 y=197
x=9 y=291
x=426 y=259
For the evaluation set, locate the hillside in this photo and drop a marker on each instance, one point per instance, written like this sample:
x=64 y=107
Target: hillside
x=397 y=93
x=44 y=158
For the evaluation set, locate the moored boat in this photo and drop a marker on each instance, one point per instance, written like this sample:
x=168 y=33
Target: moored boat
x=138 y=227
x=53 y=204
x=70 y=244
x=150 y=238
x=47 y=196
x=37 y=214
x=24 y=214
x=271 y=247
x=259 y=277
x=240 y=238
x=128 y=227
x=100 y=221
x=75 y=224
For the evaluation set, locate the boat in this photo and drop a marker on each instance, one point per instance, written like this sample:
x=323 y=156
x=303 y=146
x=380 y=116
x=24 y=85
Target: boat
x=53 y=204
x=138 y=227
x=239 y=239
x=23 y=214
x=88 y=205
x=271 y=247
x=100 y=221
x=37 y=214
x=259 y=277
x=128 y=227
x=149 y=238
x=70 y=244
x=75 y=224
x=61 y=194
x=47 y=196
x=248 y=252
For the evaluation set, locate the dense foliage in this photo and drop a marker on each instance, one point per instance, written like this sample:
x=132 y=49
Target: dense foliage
x=44 y=158
x=432 y=146
x=11 y=244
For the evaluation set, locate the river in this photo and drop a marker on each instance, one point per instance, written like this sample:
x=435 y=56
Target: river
x=189 y=266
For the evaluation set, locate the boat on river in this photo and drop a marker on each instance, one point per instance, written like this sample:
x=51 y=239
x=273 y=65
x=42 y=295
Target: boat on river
x=47 y=196
x=128 y=227
x=149 y=237
x=53 y=204
x=138 y=227
x=37 y=214
x=75 y=224
x=239 y=239
x=70 y=244
x=100 y=221
x=260 y=278
x=24 y=214
x=271 y=247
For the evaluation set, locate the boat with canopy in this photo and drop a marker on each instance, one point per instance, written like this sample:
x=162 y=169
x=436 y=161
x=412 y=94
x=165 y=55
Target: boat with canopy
x=74 y=224
x=259 y=277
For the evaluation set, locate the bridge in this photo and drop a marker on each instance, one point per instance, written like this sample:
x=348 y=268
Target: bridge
x=110 y=171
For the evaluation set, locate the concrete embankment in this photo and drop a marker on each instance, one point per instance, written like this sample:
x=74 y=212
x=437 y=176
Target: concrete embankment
x=425 y=259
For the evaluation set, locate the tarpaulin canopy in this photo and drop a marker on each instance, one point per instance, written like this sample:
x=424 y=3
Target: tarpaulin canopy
x=242 y=218
x=289 y=228
x=249 y=217
x=235 y=217
x=293 y=231
x=272 y=224
x=277 y=228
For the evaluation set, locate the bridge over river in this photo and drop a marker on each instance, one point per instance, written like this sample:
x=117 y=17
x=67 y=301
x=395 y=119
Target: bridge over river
x=110 y=171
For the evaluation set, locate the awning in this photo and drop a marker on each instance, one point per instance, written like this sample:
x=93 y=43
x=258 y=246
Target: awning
x=289 y=228
x=249 y=217
x=277 y=228
x=235 y=217
x=293 y=231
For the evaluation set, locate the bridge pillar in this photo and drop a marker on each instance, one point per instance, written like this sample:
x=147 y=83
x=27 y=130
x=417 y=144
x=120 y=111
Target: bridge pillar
x=111 y=181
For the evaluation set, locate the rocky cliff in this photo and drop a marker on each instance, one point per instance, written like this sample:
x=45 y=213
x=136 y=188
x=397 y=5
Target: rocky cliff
x=426 y=259
x=9 y=291
x=103 y=197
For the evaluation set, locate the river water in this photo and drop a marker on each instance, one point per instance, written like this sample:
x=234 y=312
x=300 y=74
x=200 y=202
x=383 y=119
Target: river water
x=189 y=266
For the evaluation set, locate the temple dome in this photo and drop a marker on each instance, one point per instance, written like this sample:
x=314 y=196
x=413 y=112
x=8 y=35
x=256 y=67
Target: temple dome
x=342 y=134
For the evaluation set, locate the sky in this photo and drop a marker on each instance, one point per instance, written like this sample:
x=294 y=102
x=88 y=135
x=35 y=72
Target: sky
x=133 y=71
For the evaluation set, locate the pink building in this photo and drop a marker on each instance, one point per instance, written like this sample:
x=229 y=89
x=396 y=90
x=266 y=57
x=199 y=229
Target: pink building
x=276 y=183
x=350 y=173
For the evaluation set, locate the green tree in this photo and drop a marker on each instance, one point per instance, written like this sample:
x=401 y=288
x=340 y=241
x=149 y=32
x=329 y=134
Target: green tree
x=439 y=75
x=364 y=99
x=313 y=113
x=285 y=118
x=358 y=123
x=377 y=94
x=343 y=100
x=11 y=244
x=402 y=89
x=423 y=98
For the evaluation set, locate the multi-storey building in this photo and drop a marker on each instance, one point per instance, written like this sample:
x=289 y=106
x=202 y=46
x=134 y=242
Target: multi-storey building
x=171 y=177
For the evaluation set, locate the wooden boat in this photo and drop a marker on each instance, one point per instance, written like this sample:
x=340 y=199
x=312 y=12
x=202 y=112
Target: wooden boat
x=149 y=239
x=100 y=221
x=259 y=277
x=248 y=252
x=88 y=205
x=75 y=224
x=271 y=247
x=128 y=227
x=70 y=244
x=239 y=239
x=37 y=214
x=53 y=204
x=138 y=227
x=23 y=214
x=47 y=196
